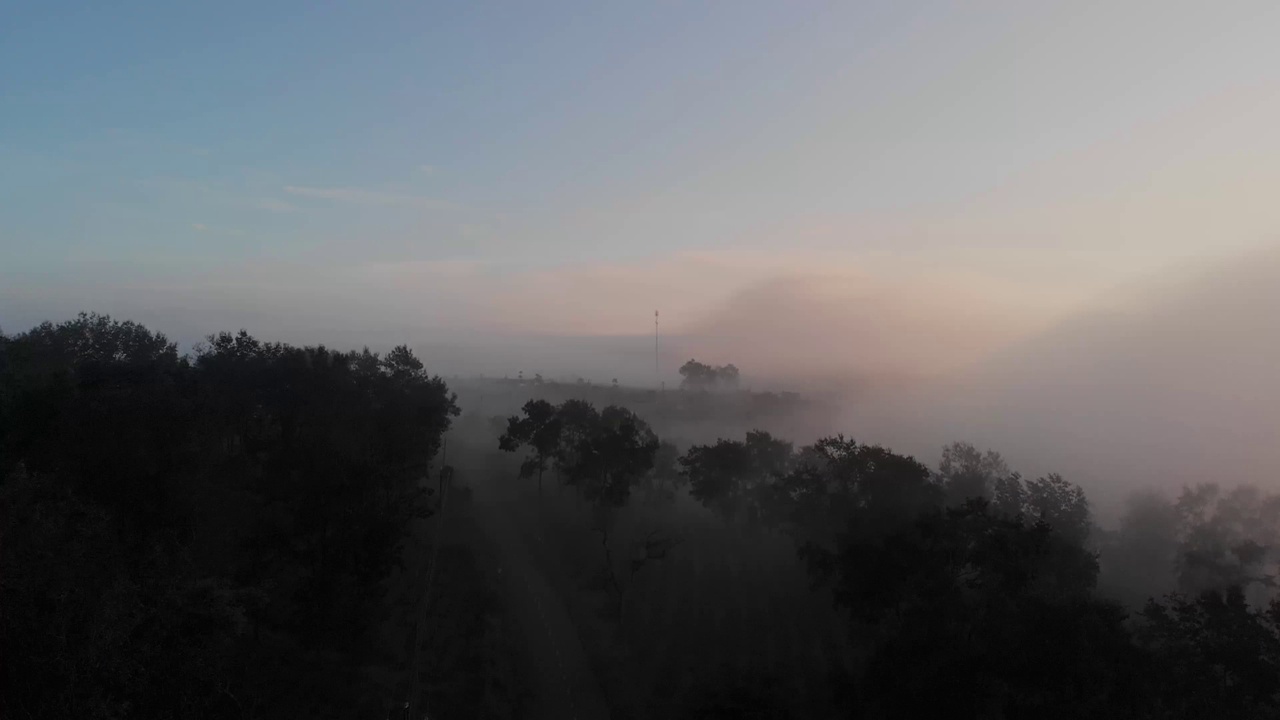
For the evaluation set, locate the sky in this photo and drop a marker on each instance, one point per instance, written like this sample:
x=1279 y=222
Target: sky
x=366 y=173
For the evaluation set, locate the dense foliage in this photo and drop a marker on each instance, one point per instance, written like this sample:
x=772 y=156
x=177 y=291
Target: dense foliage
x=972 y=592
x=603 y=454
x=201 y=536
x=211 y=535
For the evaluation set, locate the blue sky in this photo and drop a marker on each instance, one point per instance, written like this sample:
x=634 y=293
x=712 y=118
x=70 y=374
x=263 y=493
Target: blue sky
x=148 y=119
x=565 y=167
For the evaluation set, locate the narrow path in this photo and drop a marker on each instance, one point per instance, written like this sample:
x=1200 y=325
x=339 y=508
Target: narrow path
x=566 y=687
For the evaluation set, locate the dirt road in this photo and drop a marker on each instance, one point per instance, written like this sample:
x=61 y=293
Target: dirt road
x=565 y=686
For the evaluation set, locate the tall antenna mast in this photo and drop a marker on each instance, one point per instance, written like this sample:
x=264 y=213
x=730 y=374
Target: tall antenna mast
x=657 y=366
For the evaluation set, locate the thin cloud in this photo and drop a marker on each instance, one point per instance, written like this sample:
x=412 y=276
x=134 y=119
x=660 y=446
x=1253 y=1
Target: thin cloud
x=362 y=196
x=276 y=205
x=199 y=227
x=409 y=273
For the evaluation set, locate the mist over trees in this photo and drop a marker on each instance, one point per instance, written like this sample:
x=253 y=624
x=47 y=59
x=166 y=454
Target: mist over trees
x=970 y=591
x=957 y=582
x=237 y=533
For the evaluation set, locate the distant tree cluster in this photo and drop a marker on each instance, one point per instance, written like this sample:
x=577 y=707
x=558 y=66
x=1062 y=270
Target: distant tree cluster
x=1207 y=539
x=697 y=376
x=202 y=536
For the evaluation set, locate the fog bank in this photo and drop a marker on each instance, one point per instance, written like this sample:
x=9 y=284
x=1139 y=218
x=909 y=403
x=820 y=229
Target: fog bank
x=1175 y=383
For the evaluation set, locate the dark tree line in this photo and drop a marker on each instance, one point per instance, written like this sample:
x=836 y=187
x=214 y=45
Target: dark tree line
x=973 y=593
x=204 y=535
x=970 y=591
x=209 y=535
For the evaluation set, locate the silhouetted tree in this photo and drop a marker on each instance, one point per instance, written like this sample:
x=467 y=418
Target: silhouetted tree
x=611 y=456
x=602 y=454
x=697 y=376
x=539 y=429
x=1050 y=500
x=965 y=472
x=730 y=476
x=838 y=479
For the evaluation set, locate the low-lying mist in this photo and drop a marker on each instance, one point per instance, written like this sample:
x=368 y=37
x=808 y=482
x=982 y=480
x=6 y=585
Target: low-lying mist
x=1165 y=382
x=1175 y=385
x=1159 y=383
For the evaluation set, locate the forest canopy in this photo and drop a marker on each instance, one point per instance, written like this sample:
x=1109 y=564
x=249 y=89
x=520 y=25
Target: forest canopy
x=200 y=534
x=212 y=535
